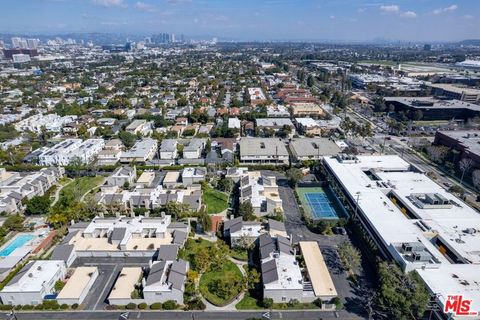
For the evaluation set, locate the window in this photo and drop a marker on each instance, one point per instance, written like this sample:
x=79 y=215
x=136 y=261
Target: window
x=284 y=298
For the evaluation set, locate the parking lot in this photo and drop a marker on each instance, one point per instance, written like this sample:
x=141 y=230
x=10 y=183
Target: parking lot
x=328 y=244
x=108 y=271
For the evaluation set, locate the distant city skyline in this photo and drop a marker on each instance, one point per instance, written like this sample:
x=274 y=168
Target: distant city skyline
x=250 y=20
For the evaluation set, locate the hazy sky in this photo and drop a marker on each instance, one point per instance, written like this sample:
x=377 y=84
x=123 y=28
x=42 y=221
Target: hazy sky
x=422 y=20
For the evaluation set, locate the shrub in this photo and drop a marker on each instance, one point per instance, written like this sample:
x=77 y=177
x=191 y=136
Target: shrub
x=318 y=302
x=293 y=303
x=4 y=307
x=267 y=302
x=131 y=306
x=64 y=306
x=156 y=306
x=196 y=304
x=27 y=307
x=142 y=306
x=337 y=302
x=39 y=307
x=169 y=305
x=75 y=306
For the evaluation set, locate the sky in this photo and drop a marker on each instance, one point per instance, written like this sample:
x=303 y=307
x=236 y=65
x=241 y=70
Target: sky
x=251 y=20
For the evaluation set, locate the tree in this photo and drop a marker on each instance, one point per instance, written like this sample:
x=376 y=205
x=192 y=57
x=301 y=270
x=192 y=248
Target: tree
x=246 y=211
x=14 y=222
x=38 y=205
x=202 y=259
x=267 y=302
x=127 y=138
x=349 y=256
x=437 y=153
x=176 y=209
x=465 y=165
x=253 y=278
x=310 y=81
x=476 y=178
x=294 y=175
x=225 y=185
x=401 y=295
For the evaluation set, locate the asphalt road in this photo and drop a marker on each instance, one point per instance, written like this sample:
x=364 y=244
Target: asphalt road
x=181 y=315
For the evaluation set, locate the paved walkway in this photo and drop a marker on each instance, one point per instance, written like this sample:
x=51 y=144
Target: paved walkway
x=57 y=192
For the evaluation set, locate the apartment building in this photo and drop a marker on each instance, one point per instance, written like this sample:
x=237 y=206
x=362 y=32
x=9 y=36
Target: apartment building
x=263 y=151
x=142 y=151
x=35 y=281
x=63 y=153
x=261 y=191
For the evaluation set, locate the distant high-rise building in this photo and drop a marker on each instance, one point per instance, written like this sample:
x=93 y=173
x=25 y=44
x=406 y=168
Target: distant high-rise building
x=32 y=43
x=427 y=47
x=173 y=38
x=162 y=38
x=20 y=43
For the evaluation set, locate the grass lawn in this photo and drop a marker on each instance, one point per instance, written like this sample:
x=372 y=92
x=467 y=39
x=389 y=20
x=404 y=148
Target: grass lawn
x=248 y=303
x=239 y=254
x=80 y=186
x=229 y=269
x=215 y=200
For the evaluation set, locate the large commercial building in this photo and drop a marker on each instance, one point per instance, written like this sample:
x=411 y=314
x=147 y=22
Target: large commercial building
x=413 y=221
x=451 y=91
x=433 y=108
x=466 y=142
x=263 y=151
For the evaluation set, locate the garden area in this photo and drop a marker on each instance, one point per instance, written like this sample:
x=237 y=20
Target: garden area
x=219 y=280
x=221 y=285
x=216 y=201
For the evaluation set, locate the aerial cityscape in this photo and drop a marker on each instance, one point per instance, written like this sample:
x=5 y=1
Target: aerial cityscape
x=208 y=159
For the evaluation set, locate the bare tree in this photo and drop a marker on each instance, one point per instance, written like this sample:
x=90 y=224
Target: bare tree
x=476 y=178
x=465 y=164
x=437 y=153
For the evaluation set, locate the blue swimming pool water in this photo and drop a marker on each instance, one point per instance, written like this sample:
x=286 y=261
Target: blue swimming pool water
x=322 y=207
x=18 y=242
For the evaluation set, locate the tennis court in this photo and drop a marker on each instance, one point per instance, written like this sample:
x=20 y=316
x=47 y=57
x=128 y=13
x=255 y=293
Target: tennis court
x=318 y=203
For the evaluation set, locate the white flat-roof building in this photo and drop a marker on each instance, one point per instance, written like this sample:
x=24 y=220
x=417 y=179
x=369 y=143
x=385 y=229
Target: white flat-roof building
x=78 y=286
x=261 y=191
x=51 y=122
x=65 y=152
x=168 y=149
x=35 y=281
x=193 y=175
x=263 y=151
x=414 y=221
x=234 y=123
x=194 y=149
x=304 y=149
x=142 y=151
x=143 y=127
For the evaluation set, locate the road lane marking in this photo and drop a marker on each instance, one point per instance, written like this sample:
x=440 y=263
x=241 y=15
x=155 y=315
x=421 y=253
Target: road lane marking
x=105 y=287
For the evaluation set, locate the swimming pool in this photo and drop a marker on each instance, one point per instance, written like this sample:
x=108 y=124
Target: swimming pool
x=18 y=242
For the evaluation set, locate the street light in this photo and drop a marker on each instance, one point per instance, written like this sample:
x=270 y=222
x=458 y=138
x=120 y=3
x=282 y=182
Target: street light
x=356 y=203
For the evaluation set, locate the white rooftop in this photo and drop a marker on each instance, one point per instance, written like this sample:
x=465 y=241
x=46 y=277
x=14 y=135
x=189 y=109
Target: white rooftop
x=40 y=272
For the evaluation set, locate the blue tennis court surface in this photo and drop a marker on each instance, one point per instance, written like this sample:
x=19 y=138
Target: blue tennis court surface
x=321 y=206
